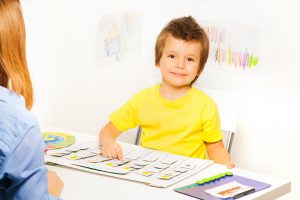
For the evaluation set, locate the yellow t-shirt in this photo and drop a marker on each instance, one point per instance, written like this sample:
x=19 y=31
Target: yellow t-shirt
x=178 y=126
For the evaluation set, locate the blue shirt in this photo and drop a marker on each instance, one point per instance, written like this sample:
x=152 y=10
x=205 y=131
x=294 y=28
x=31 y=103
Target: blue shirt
x=23 y=174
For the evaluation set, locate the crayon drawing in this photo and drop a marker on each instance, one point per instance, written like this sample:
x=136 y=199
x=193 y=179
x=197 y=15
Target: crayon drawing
x=120 y=36
x=232 y=46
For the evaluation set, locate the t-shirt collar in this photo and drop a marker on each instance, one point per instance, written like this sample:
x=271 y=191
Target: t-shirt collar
x=177 y=103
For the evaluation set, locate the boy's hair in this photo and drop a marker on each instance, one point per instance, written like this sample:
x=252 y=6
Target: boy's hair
x=13 y=64
x=184 y=28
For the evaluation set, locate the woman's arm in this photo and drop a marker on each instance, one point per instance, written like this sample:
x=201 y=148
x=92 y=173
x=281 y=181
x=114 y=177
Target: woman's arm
x=26 y=171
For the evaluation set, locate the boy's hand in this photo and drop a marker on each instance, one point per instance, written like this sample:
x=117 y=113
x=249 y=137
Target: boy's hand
x=107 y=137
x=112 y=150
x=55 y=184
x=230 y=164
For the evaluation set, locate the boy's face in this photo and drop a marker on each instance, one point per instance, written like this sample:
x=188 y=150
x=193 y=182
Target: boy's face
x=179 y=63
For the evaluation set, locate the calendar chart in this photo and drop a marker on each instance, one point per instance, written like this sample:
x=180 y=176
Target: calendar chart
x=155 y=168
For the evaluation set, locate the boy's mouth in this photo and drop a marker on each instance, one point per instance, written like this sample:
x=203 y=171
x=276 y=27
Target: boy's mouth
x=178 y=74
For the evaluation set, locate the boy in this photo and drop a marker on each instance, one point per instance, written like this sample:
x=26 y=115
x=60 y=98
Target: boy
x=174 y=116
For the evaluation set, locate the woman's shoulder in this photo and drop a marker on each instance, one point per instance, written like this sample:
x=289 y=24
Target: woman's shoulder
x=15 y=123
x=15 y=114
x=13 y=109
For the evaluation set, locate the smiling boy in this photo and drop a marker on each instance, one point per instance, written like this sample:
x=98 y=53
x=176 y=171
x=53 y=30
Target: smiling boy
x=174 y=116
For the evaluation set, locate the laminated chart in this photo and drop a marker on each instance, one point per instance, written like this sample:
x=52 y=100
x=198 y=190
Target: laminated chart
x=155 y=168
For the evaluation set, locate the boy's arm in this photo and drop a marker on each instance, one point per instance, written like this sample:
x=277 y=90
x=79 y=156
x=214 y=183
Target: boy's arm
x=107 y=137
x=217 y=152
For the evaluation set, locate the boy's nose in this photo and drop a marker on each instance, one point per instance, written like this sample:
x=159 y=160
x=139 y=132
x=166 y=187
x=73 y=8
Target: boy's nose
x=180 y=63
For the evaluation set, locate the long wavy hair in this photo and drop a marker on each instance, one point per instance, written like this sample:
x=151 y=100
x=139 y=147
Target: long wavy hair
x=13 y=65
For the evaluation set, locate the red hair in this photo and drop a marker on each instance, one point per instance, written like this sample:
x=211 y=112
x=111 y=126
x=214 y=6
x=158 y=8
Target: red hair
x=13 y=64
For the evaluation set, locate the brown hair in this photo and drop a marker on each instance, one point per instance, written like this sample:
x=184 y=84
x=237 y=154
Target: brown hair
x=184 y=28
x=13 y=64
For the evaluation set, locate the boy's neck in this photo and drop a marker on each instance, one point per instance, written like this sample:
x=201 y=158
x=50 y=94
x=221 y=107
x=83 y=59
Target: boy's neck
x=173 y=93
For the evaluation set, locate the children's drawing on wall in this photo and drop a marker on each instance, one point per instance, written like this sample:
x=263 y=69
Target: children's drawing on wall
x=233 y=46
x=119 y=37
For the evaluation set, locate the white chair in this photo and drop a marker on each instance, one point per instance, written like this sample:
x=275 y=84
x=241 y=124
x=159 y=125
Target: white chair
x=229 y=107
x=227 y=139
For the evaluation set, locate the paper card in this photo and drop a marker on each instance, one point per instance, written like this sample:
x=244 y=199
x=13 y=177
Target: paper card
x=188 y=165
x=161 y=166
x=72 y=149
x=181 y=170
x=134 y=155
x=83 y=146
x=142 y=163
x=136 y=166
x=59 y=153
x=146 y=173
x=98 y=159
x=151 y=158
x=232 y=189
x=120 y=162
x=109 y=164
x=154 y=170
x=93 y=160
x=85 y=154
x=169 y=160
x=74 y=156
x=127 y=168
x=95 y=151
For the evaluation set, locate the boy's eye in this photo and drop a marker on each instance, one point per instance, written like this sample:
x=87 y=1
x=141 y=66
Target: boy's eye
x=190 y=59
x=171 y=56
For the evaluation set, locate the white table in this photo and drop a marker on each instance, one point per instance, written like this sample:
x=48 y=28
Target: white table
x=81 y=185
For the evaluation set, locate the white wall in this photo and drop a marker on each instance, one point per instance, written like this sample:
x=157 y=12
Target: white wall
x=74 y=92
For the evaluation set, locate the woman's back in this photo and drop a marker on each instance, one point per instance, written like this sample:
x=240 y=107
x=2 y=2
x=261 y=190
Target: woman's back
x=21 y=150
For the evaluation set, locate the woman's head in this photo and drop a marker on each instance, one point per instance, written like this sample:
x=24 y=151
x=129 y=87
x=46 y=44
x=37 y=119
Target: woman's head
x=13 y=65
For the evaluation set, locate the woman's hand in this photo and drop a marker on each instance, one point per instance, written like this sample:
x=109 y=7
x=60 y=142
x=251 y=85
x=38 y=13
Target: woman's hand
x=55 y=184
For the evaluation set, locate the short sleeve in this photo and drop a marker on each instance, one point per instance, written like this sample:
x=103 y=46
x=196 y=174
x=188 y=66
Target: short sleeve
x=126 y=116
x=211 y=123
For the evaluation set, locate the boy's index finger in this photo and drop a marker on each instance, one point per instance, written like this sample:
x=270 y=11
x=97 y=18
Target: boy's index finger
x=119 y=154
